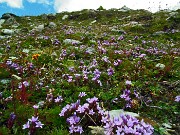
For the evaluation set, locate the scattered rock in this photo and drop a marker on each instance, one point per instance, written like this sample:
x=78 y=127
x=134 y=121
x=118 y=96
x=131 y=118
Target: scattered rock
x=7 y=32
x=158 y=33
x=39 y=28
x=118 y=31
x=93 y=22
x=116 y=113
x=65 y=17
x=71 y=41
x=97 y=130
x=90 y=50
x=8 y=15
x=3 y=37
x=51 y=16
x=48 y=16
x=10 y=21
x=160 y=66
x=132 y=24
x=2 y=21
x=124 y=9
x=171 y=14
x=52 y=25
x=24 y=30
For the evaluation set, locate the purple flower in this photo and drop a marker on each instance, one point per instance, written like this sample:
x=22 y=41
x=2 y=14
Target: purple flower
x=105 y=119
x=79 y=129
x=71 y=69
x=65 y=109
x=27 y=125
x=58 y=99
x=72 y=129
x=9 y=62
x=142 y=55
x=73 y=119
x=91 y=112
x=49 y=97
x=92 y=100
x=143 y=42
x=77 y=75
x=97 y=74
x=110 y=71
x=128 y=82
x=116 y=63
x=106 y=59
x=25 y=83
x=80 y=109
x=121 y=37
x=75 y=129
x=35 y=106
x=33 y=119
x=119 y=130
x=118 y=121
x=86 y=106
x=177 y=98
x=70 y=79
x=82 y=94
x=109 y=128
x=39 y=124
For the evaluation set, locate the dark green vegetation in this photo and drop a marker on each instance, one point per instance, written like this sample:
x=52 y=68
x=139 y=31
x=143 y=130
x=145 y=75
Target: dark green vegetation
x=135 y=46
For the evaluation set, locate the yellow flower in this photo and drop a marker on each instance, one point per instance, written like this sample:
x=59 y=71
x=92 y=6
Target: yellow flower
x=35 y=56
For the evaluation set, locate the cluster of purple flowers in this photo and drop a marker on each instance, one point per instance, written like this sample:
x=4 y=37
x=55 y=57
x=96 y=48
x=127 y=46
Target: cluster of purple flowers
x=126 y=125
x=97 y=74
x=126 y=96
x=117 y=62
x=110 y=71
x=32 y=125
x=13 y=65
x=74 y=111
x=25 y=83
x=50 y=98
x=11 y=120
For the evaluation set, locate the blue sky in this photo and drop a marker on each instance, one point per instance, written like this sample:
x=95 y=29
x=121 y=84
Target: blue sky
x=37 y=7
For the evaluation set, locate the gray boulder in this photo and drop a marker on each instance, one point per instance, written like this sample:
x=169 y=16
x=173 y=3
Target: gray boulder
x=71 y=41
x=8 y=15
x=5 y=36
x=7 y=32
x=52 y=25
x=124 y=9
x=90 y=50
x=118 y=31
x=48 y=16
x=158 y=33
x=10 y=21
x=1 y=22
x=39 y=28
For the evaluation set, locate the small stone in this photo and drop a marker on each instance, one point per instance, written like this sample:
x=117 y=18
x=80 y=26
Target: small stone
x=52 y=25
x=65 y=17
x=71 y=41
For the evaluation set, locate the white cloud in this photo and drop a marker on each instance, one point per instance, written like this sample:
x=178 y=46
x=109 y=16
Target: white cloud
x=48 y=2
x=74 y=5
x=13 y=3
x=32 y=1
